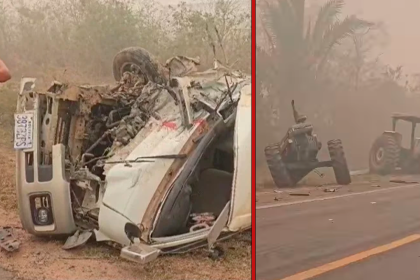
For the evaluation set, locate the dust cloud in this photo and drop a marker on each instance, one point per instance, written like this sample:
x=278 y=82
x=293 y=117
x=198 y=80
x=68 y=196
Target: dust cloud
x=357 y=116
x=399 y=17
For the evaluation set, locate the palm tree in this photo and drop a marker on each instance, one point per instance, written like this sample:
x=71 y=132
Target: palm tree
x=293 y=64
x=298 y=52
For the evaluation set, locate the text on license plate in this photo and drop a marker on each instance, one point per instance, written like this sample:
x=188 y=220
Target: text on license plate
x=23 y=131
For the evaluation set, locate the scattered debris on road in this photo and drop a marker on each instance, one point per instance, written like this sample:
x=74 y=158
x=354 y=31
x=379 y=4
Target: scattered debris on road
x=7 y=241
x=402 y=181
x=330 y=190
x=299 y=194
x=376 y=186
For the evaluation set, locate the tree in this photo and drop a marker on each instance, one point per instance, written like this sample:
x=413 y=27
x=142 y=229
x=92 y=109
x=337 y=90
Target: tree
x=298 y=52
x=295 y=61
x=222 y=23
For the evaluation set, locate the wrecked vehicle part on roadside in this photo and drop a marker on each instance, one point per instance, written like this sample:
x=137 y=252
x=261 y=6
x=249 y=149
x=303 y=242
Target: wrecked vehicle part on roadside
x=8 y=241
x=137 y=162
x=296 y=155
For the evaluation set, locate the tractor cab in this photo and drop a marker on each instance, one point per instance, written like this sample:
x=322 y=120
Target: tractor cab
x=414 y=150
x=414 y=120
x=387 y=152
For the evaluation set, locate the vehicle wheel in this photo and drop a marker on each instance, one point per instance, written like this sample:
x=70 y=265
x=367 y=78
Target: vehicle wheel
x=384 y=155
x=339 y=162
x=142 y=62
x=278 y=170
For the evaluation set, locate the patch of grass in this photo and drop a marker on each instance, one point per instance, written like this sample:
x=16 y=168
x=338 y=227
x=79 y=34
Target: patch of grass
x=234 y=264
x=99 y=251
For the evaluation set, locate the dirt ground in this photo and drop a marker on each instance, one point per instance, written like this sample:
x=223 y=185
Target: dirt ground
x=39 y=259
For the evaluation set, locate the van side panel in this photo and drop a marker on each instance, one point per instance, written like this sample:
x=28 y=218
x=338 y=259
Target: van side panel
x=240 y=216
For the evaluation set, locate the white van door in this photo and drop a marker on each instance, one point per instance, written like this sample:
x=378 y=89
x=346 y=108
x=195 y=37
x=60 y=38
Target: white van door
x=240 y=213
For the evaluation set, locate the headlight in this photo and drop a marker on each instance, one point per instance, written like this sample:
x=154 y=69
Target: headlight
x=42 y=216
x=42 y=212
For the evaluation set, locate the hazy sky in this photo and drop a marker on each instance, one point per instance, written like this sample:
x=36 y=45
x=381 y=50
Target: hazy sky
x=401 y=21
x=169 y=2
x=400 y=18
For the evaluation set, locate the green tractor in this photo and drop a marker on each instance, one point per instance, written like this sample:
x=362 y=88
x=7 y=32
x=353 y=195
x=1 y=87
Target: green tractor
x=387 y=153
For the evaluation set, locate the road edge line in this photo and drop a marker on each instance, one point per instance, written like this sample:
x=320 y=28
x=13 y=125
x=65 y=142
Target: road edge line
x=334 y=197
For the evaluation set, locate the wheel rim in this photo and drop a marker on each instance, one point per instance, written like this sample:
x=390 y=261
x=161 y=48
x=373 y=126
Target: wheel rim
x=380 y=153
x=133 y=68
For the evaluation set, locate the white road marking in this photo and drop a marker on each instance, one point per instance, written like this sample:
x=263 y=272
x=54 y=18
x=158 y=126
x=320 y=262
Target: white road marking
x=334 y=197
x=359 y=172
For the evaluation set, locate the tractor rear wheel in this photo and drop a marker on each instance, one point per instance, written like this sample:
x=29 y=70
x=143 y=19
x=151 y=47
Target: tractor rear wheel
x=278 y=170
x=339 y=162
x=384 y=155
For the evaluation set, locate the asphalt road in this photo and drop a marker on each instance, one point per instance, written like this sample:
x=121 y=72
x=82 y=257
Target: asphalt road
x=401 y=263
x=293 y=239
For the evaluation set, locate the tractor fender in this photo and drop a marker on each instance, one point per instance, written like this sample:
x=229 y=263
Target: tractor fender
x=394 y=134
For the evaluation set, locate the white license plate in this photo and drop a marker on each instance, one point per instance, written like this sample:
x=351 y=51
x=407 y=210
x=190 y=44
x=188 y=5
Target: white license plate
x=24 y=125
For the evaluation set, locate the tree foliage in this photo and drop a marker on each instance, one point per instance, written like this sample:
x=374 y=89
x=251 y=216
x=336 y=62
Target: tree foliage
x=225 y=25
x=299 y=52
x=43 y=38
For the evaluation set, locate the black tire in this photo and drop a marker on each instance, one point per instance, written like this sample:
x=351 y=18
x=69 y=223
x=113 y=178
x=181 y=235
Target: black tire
x=143 y=60
x=384 y=155
x=278 y=170
x=339 y=162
